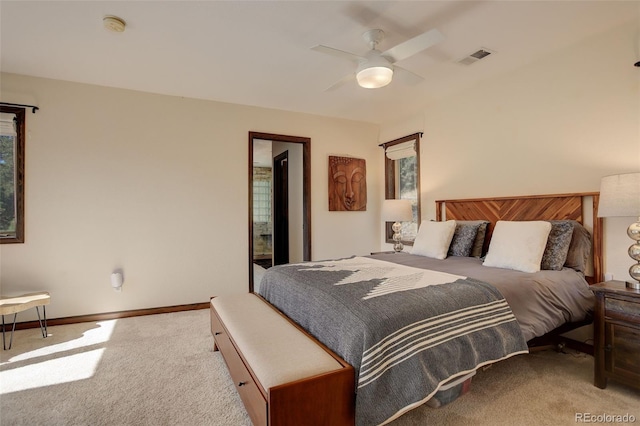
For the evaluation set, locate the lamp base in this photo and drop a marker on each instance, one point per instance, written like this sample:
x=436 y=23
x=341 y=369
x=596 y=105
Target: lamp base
x=634 y=252
x=633 y=285
x=397 y=237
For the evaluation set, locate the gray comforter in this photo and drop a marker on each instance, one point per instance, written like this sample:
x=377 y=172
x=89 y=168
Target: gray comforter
x=541 y=301
x=405 y=330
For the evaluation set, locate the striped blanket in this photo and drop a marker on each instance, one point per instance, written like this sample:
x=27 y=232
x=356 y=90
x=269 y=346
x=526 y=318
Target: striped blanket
x=406 y=331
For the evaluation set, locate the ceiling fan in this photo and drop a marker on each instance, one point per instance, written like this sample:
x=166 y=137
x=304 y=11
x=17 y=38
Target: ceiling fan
x=375 y=69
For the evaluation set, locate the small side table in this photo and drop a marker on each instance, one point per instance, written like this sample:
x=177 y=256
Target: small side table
x=13 y=305
x=616 y=333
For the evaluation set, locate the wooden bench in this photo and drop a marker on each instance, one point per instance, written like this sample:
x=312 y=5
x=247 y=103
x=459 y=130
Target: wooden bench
x=283 y=375
x=15 y=304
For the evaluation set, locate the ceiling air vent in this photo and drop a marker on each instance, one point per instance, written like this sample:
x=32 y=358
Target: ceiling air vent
x=475 y=57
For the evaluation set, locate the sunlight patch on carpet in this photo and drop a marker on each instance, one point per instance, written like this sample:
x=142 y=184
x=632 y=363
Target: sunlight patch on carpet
x=94 y=336
x=53 y=372
x=42 y=369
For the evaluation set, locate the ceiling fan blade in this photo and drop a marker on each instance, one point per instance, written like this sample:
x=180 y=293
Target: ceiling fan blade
x=413 y=46
x=338 y=53
x=407 y=76
x=346 y=79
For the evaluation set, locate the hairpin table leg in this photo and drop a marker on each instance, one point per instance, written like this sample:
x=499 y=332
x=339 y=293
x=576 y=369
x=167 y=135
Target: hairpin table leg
x=4 y=346
x=43 y=330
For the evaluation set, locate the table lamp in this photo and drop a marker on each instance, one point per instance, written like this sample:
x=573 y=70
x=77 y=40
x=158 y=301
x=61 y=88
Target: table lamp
x=397 y=211
x=620 y=197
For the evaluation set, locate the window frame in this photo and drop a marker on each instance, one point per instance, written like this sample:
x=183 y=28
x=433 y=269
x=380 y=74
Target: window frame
x=18 y=236
x=390 y=189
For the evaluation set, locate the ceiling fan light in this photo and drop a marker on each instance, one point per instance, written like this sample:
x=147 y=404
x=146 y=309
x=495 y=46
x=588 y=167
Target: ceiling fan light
x=374 y=77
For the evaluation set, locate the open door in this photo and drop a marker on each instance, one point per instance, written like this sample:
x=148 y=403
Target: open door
x=281 y=209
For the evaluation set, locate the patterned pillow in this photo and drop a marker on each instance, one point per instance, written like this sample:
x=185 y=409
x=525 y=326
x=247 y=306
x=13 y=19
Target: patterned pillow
x=555 y=253
x=478 y=245
x=579 y=249
x=464 y=238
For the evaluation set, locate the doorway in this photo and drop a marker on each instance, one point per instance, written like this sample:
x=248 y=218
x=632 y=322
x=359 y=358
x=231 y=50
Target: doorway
x=289 y=233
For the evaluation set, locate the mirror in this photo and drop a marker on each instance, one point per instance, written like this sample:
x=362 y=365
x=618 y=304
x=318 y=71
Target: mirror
x=279 y=202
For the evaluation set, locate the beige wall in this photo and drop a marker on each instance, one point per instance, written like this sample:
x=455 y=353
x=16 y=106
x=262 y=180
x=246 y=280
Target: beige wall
x=157 y=185
x=555 y=126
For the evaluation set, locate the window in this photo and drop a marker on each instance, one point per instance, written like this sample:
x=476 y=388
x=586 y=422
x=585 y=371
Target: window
x=262 y=194
x=11 y=174
x=402 y=181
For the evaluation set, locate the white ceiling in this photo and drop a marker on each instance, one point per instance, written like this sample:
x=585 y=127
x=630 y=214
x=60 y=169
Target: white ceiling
x=258 y=53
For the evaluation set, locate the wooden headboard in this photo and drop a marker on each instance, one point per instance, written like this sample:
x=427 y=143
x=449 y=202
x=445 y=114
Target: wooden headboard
x=530 y=207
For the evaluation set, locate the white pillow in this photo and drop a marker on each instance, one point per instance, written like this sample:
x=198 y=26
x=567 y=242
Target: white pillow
x=518 y=245
x=434 y=238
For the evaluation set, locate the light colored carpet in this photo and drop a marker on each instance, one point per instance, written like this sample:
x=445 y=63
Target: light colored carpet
x=161 y=370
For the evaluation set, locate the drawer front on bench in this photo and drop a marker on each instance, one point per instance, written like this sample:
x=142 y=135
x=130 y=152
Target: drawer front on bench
x=249 y=392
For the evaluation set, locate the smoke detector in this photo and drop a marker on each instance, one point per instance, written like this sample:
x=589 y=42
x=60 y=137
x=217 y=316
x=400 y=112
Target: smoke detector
x=475 y=56
x=114 y=24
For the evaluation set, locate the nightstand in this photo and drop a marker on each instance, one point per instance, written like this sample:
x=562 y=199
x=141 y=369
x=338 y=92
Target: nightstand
x=616 y=333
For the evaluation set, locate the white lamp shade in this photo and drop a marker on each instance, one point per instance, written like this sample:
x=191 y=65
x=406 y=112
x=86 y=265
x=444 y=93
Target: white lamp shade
x=620 y=195
x=397 y=211
x=374 y=77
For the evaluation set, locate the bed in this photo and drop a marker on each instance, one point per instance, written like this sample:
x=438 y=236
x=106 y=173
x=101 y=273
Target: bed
x=415 y=324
